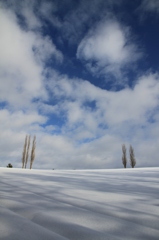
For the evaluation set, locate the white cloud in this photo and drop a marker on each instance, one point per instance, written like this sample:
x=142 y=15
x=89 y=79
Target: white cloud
x=26 y=10
x=78 y=16
x=107 y=48
x=22 y=61
x=91 y=136
x=19 y=120
x=110 y=107
x=116 y=117
x=31 y=20
x=95 y=121
x=134 y=104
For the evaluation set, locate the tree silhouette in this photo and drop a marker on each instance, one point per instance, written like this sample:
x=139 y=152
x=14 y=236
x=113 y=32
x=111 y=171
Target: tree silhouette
x=27 y=151
x=24 y=151
x=124 y=158
x=132 y=157
x=32 y=157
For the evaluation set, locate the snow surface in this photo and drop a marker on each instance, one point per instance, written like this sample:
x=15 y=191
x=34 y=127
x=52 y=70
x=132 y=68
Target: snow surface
x=79 y=204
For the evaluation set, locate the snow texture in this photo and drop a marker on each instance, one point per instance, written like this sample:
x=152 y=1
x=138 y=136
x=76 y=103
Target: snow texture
x=79 y=204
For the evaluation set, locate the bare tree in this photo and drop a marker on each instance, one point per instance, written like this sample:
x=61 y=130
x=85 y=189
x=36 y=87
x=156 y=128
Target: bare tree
x=124 y=158
x=27 y=151
x=24 y=151
x=32 y=157
x=132 y=157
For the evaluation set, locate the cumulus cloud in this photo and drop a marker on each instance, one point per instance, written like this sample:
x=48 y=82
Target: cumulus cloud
x=79 y=98
x=77 y=124
x=134 y=104
x=91 y=135
x=81 y=15
x=22 y=61
x=108 y=48
x=98 y=121
x=20 y=120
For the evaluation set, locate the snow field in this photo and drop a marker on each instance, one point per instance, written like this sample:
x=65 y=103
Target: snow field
x=79 y=204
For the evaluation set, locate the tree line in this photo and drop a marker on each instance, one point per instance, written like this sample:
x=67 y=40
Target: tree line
x=26 y=148
x=131 y=154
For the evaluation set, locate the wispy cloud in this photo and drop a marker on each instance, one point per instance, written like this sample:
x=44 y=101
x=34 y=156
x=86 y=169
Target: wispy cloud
x=152 y=5
x=108 y=48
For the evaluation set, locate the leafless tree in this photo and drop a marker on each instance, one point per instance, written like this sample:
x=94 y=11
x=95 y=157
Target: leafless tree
x=32 y=157
x=24 y=151
x=27 y=151
x=132 y=157
x=124 y=158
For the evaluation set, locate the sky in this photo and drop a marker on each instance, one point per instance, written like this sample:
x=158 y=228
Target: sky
x=83 y=76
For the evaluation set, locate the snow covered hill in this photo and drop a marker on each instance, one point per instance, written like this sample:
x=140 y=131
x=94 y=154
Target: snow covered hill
x=79 y=204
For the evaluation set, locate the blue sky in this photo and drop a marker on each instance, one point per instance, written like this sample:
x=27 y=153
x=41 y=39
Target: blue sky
x=83 y=76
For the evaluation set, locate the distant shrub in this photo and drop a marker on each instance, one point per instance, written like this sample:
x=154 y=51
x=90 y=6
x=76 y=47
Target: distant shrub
x=9 y=165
